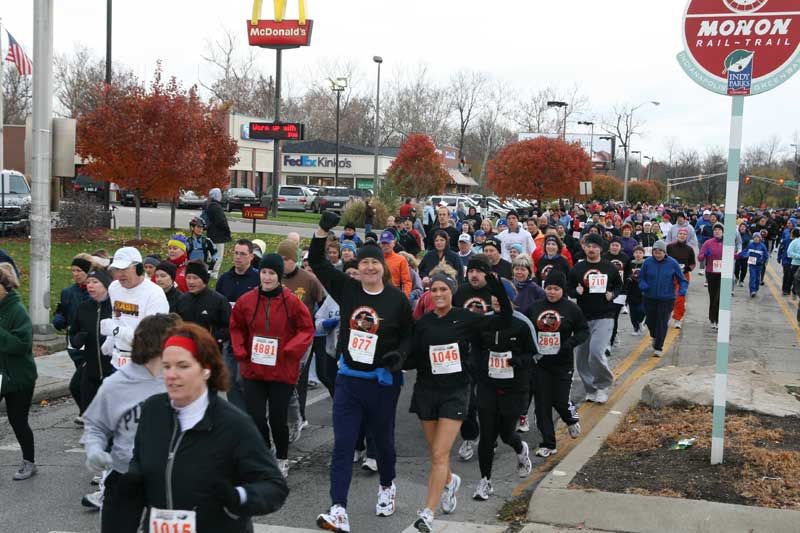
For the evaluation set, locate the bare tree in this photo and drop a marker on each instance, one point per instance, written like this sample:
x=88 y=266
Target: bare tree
x=78 y=78
x=532 y=114
x=467 y=92
x=414 y=104
x=491 y=131
x=17 y=95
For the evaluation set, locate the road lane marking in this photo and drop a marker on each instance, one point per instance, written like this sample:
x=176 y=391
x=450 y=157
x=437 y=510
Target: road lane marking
x=591 y=413
x=790 y=317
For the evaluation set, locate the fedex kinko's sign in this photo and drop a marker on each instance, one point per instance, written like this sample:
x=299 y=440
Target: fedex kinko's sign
x=741 y=47
x=279 y=33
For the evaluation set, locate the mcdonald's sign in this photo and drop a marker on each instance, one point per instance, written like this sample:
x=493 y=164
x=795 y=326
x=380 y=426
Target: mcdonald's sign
x=279 y=32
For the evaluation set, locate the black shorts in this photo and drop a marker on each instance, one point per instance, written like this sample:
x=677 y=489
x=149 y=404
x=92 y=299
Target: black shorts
x=510 y=403
x=430 y=402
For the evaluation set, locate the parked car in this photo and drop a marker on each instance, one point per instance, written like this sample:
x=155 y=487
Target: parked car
x=238 y=197
x=15 y=202
x=331 y=199
x=128 y=198
x=290 y=198
x=190 y=200
x=87 y=185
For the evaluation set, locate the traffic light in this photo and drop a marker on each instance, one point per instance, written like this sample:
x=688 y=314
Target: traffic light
x=780 y=181
x=747 y=179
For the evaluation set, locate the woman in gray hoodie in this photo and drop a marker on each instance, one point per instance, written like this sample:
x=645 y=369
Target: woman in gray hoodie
x=112 y=418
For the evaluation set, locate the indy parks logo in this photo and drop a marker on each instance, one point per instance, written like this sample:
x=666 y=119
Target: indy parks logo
x=739 y=68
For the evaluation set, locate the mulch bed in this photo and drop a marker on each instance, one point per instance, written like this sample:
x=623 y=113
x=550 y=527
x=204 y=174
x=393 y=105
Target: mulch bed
x=761 y=462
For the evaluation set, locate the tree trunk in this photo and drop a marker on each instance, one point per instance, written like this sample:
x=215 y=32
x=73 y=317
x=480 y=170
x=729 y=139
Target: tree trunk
x=172 y=209
x=137 y=198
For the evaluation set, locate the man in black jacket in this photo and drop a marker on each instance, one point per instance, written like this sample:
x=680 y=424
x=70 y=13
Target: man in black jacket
x=203 y=306
x=218 y=230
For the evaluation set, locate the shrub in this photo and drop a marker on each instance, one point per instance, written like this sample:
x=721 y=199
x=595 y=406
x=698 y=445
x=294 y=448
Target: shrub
x=354 y=213
x=79 y=211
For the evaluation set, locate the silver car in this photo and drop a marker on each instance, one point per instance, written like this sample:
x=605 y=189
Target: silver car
x=293 y=198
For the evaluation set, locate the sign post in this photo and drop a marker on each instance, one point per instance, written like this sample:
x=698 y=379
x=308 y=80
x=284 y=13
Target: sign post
x=254 y=213
x=736 y=48
x=278 y=34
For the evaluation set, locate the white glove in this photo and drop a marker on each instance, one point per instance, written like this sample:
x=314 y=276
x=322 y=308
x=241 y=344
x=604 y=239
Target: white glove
x=108 y=327
x=98 y=460
x=108 y=346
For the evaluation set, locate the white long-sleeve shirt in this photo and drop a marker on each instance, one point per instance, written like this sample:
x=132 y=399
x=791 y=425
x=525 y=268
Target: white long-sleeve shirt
x=521 y=236
x=128 y=308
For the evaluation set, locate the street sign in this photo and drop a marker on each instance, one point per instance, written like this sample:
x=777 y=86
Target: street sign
x=741 y=47
x=586 y=188
x=256 y=213
x=292 y=131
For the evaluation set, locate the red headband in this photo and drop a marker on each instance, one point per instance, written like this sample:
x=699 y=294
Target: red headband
x=182 y=342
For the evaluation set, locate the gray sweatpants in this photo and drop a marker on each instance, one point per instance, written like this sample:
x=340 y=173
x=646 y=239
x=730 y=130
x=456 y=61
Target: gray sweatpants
x=590 y=357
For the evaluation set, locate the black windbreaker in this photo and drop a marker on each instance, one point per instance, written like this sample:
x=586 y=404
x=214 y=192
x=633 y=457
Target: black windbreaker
x=84 y=335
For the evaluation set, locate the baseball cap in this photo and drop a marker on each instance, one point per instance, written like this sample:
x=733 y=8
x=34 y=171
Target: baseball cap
x=480 y=233
x=125 y=257
x=387 y=236
x=464 y=237
x=706 y=212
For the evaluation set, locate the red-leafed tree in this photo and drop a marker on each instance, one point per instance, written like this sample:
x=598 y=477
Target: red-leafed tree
x=606 y=188
x=541 y=168
x=418 y=170
x=643 y=192
x=155 y=142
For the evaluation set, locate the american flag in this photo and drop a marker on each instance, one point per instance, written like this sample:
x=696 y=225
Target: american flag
x=17 y=56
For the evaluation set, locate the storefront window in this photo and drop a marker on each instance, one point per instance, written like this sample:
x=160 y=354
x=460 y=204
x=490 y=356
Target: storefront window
x=320 y=181
x=296 y=180
x=345 y=182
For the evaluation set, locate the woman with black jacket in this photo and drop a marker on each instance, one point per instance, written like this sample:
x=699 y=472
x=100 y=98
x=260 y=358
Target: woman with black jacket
x=440 y=353
x=560 y=326
x=441 y=252
x=198 y=461
x=375 y=335
x=85 y=336
x=503 y=373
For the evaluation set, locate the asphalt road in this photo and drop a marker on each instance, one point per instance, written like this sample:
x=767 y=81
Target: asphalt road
x=152 y=217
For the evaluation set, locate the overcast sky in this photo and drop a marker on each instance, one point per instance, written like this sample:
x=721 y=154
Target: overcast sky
x=617 y=52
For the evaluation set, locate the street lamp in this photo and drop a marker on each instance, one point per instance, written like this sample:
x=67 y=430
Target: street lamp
x=338 y=85
x=556 y=103
x=627 y=148
x=375 y=183
x=649 y=166
x=591 y=136
x=640 y=161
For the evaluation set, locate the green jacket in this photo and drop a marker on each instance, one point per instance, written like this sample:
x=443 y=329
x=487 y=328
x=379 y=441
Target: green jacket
x=16 y=346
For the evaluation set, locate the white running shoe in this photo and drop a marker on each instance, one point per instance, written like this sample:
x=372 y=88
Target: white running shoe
x=26 y=471
x=574 y=430
x=625 y=310
x=678 y=324
x=467 y=449
x=658 y=353
x=297 y=429
x=96 y=480
x=386 y=498
x=283 y=466
x=93 y=500
x=545 y=452
x=359 y=456
x=523 y=425
x=484 y=490
x=449 y=500
x=369 y=465
x=524 y=465
x=335 y=520
x=591 y=396
x=601 y=396
x=635 y=333
x=424 y=522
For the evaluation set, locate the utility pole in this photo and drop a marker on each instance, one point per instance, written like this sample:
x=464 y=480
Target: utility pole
x=559 y=104
x=41 y=163
x=338 y=85
x=375 y=182
x=628 y=128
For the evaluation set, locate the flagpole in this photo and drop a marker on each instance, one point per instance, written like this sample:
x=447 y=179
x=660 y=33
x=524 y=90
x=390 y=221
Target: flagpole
x=2 y=93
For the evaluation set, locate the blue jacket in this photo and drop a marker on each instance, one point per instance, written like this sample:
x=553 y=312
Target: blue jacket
x=71 y=298
x=783 y=249
x=656 y=279
x=758 y=250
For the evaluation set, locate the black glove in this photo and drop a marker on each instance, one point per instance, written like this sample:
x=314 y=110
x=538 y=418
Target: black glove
x=517 y=362
x=392 y=361
x=79 y=339
x=131 y=486
x=495 y=286
x=225 y=493
x=328 y=220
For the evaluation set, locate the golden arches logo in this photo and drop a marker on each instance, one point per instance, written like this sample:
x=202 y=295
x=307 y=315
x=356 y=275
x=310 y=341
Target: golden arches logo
x=280 y=11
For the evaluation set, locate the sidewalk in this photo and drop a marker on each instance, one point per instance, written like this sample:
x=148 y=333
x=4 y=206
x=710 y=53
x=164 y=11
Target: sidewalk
x=55 y=371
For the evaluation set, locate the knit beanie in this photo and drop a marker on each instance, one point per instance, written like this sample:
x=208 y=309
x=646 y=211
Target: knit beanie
x=370 y=250
x=516 y=246
x=447 y=280
x=287 y=249
x=348 y=245
x=198 y=269
x=479 y=262
x=152 y=260
x=100 y=276
x=593 y=238
x=660 y=245
x=274 y=262
x=178 y=241
x=168 y=268
x=215 y=194
x=83 y=264
x=557 y=278
x=492 y=242
x=720 y=226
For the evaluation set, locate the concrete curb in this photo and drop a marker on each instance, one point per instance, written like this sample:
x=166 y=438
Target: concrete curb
x=553 y=503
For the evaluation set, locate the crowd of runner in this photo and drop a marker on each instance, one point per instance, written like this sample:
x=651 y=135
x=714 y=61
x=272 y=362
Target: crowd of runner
x=494 y=317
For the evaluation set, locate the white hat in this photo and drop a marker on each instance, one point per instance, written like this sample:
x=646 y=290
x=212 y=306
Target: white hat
x=706 y=212
x=442 y=204
x=125 y=257
x=464 y=237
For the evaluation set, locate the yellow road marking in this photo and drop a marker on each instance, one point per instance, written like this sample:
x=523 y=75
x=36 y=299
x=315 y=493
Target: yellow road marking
x=790 y=317
x=591 y=413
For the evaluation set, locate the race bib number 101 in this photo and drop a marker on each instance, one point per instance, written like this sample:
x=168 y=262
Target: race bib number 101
x=499 y=365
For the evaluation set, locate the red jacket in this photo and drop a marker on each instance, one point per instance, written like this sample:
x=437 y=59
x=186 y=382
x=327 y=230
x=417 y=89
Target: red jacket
x=180 y=274
x=289 y=322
